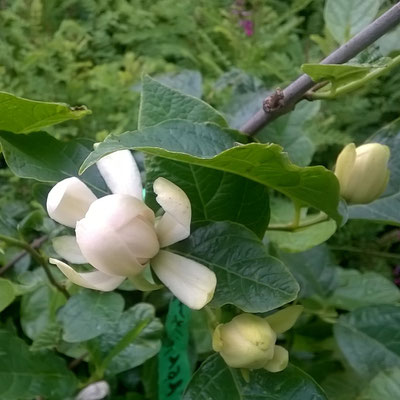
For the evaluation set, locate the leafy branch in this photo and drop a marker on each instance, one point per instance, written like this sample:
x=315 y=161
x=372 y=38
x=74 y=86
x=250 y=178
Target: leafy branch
x=283 y=101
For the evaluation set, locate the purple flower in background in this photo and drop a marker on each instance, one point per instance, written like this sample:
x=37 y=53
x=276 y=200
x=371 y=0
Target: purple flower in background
x=244 y=17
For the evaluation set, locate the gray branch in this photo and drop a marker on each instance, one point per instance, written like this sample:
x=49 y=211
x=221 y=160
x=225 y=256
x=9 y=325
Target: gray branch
x=282 y=102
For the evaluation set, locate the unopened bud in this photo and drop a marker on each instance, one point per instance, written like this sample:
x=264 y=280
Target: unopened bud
x=362 y=172
x=247 y=341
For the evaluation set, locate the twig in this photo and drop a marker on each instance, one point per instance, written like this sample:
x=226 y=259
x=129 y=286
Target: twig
x=38 y=258
x=373 y=253
x=297 y=89
x=74 y=363
x=35 y=244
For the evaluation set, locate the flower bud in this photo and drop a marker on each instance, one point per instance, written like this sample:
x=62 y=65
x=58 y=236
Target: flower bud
x=117 y=235
x=247 y=341
x=362 y=172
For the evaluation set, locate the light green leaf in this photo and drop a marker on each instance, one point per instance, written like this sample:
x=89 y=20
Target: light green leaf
x=210 y=146
x=88 y=314
x=356 y=289
x=369 y=339
x=246 y=275
x=160 y=103
x=129 y=354
x=215 y=380
x=345 y=18
x=337 y=74
x=7 y=293
x=302 y=239
x=185 y=81
x=214 y=195
x=20 y=115
x=40 y=156
x=26 y=375
x=384 y=386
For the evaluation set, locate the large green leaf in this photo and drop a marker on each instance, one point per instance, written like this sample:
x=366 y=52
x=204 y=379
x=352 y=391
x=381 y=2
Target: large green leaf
x=214 y=195
x=20 y=115
x=125 y=353
x=384 y=386
x=386 y=208
x=39 y=308
x=160 y=103
x=345 y=18
x=25 y=374
x=210 y=146
x=369 y=339
x=246 y=275
x=215 y=380
x=40 y=156
x=89 y=314
x=356 y=289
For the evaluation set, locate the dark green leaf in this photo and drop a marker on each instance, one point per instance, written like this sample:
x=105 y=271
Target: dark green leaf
x=133 y=353
x=20 y=115
x=40 y=156
x=384 y=386
x=160 y=103
x=369 y=339
x=215 y=380
x=25 y=374
x=89 y=314
x=210 y=146
x=214 y=195
x=246 y=275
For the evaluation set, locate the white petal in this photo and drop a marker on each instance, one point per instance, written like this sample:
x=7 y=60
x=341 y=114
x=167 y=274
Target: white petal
x=121 y=173
x=116 y=236
x=92 y=280
x=174 y=225
x=68 y=249
x=279 y=361
x=192 y=283
x=68 y=201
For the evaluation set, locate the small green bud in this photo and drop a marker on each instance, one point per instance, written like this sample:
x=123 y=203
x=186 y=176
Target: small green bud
x=247 y=341
x=362 y=172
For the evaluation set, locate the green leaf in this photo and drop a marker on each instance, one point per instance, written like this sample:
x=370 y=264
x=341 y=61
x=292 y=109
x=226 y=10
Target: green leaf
x=369 y=339
x=214 y=195
x=185 y=81
x=88 y=314
x=386 y=208
x=291 y=132
x=130 y=353
x=314 y=270
x=38 y=309
x=20 y=115
x=48 y=338
x=356 y=289
x=160 y=103
x=337 y=74
x=41 y=157
x=384 y=386
x=210 y=146
x=215 y=380
x=345 y=18
x=7 y=293
x=246 y=275
x=25 y=374
x=302 y=239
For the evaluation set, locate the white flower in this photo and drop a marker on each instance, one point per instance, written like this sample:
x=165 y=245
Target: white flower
x=120 y=236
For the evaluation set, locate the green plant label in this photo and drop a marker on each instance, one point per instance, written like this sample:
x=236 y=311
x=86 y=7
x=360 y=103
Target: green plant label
x=173 y=361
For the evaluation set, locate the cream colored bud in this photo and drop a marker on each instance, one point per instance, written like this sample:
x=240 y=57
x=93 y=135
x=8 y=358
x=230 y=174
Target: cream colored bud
x=362 y=172
x=247 y=341
x=279 y=361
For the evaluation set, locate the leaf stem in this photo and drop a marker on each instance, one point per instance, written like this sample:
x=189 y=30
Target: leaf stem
x=321 y=217
x=38 y=258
